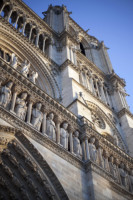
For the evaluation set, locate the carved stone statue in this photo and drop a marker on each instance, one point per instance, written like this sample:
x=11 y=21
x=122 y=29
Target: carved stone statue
x=92 y=150
x=113 y=168
x=14 y=61
x=21 y=107
x=64 y=135
x=25 y=68
x=105 y=158
x=5 y=94
x=123 y=175
x=33 y=76
x=50 y=127
x=76 y=145
x=37 y=116
x=116 y=141
x=100 y=156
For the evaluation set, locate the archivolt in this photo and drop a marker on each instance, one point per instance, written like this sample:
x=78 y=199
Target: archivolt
x=24 y=174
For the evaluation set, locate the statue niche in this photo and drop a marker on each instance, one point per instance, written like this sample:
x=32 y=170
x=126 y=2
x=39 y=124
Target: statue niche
x=37 y=116
x=14 y=61
x=92 y=149
x=76 y=145
x=21 y=107
x=64 y=135
x=50 y=127
x=5 y=94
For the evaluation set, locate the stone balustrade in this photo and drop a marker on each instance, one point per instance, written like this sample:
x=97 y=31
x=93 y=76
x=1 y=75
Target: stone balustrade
x=31 y=106
x=23 y=23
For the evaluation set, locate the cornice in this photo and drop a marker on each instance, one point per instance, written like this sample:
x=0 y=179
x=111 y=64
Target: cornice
x=36 y=91
x=114 y=77
x=29 y=131
x=81 y=29
x=123 y=112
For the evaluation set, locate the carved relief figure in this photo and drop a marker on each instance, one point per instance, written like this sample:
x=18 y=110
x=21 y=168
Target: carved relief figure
x=64 y=135
x=14 y=61
x=25 y=68
x=92 y=149
x=50 y=127
x=98 y=121
x=5 y=94
x=113 y=168
x=33 y=76
x=123 y=174
x=21 y=107
x=37 y=116
x=100 y=156
x=76 y=145
x=116 y=141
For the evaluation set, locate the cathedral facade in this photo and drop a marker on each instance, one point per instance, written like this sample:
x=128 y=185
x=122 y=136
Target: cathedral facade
x=66 y=131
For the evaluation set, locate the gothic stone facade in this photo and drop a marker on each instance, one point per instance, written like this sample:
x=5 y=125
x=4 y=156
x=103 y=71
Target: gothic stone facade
x=65 y=126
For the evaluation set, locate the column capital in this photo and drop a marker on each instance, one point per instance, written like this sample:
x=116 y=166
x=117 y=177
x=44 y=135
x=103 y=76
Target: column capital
x=58 y=119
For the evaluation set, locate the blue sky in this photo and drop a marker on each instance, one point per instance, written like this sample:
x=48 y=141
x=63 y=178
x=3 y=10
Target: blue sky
x=108 y=20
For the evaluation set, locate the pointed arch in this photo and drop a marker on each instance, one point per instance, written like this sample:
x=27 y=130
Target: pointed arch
x=23 y=171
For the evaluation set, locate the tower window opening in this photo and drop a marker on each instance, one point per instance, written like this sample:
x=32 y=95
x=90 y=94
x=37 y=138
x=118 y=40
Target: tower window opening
x=82 y=49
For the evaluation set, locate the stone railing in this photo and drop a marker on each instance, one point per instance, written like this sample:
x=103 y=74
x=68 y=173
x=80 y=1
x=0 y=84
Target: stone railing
x=31 y=107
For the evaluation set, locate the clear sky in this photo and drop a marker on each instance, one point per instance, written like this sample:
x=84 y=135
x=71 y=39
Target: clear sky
x=108 y=20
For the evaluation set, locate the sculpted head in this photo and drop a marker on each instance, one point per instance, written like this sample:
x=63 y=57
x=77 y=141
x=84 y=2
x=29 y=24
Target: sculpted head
x=9 y=84
x=111 y=159
x=65 y=125
x=92 y=140
x=51 y=116
x=76 y=134
x=122 y=165
x=38 y=106
x=24 y=95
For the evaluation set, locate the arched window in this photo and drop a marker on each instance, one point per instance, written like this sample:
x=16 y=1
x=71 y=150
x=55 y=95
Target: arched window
x=5 y=11
x=20 y=23
x=47 y=46
x=1 y=4
x=13 y=18
x=8 y=57
x=82 y=49
x=27 y=30
x=33 y=35
x=40 y=44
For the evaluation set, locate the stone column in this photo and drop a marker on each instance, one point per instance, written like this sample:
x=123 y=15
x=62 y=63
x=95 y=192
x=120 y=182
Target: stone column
x=15 y=92
x=16 y=21
x=87 y=149
x=58 y=122
x=23 y=29
x=2 y=8
x=29 y=111
x=44 y=120
x=83 y=150
x=37 y=39
x=44 y=40
x=97 y=88
x=91 y=83
x=70 y=131
x=9 y=15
